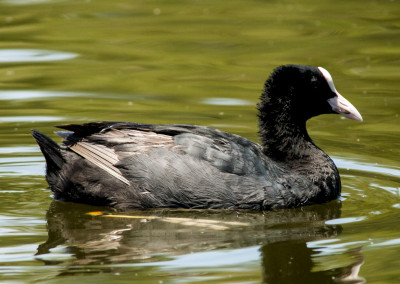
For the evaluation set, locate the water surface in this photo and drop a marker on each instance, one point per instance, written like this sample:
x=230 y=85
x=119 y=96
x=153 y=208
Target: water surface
x=198 y=62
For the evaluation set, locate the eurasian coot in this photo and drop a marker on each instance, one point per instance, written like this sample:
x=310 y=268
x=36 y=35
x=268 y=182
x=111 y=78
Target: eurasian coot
x=134 y=165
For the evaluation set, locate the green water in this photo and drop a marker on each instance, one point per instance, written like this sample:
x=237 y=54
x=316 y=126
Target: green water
x=198 y=62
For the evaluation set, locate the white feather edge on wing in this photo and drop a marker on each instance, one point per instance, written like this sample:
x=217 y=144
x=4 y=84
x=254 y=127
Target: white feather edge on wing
x=101 y=156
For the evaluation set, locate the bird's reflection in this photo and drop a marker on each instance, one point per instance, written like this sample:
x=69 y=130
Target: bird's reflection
x=156 y=235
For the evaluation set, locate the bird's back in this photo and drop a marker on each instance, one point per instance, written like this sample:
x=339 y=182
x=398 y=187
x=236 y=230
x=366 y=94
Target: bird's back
x=147 y=166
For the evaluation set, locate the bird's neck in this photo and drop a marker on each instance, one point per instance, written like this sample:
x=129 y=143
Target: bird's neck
x=286 y=140
x=292 y=148
x=282 y=130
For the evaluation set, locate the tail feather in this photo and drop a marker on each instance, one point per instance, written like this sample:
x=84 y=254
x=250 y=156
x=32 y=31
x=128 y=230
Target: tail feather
x=51 y=151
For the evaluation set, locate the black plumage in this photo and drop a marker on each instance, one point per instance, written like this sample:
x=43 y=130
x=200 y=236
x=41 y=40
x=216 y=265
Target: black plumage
x=133 y=165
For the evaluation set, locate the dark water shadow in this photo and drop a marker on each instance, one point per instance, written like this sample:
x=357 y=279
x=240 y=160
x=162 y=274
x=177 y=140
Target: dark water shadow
x=154 y=236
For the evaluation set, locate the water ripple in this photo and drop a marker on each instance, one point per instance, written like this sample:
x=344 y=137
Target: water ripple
x=226 y=102
x=366 y=167
x=211 y=258
x=19 y=166
x=29 y=118
x=333 y=246
x=30 y=94
x=347 y=220
x=392 y=242
x=24 y=2
x=10 y=150
x=33 y=55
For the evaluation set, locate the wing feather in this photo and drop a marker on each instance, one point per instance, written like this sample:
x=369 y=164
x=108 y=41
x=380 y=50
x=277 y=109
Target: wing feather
x=101 y=156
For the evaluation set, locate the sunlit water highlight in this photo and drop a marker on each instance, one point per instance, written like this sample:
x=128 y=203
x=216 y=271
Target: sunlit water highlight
x=33 y=55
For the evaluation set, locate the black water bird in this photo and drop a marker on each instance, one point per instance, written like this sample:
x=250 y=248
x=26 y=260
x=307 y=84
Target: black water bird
x=134 y=165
